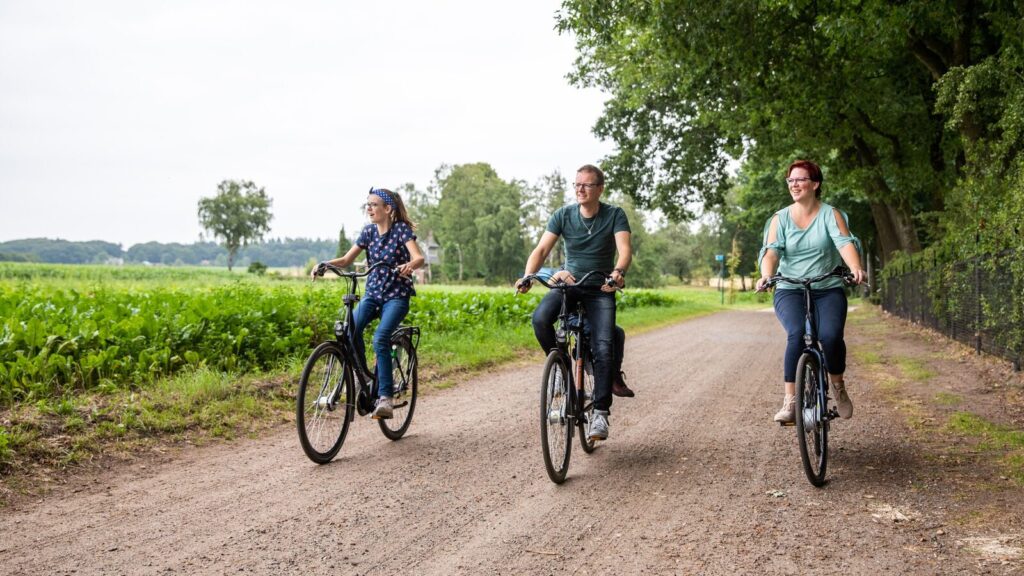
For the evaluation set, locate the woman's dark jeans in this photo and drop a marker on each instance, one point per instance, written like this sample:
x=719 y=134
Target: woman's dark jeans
x=600 y=307
x=830 y=313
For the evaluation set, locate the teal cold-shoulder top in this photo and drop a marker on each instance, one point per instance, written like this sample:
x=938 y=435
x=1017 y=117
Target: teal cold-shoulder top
x=809 y=251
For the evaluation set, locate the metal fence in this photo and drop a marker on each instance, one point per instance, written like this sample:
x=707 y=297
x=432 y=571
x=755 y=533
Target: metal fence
x=978 y=302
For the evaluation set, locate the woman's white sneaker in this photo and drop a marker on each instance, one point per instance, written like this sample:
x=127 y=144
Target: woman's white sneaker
x=788 y=412
x=843 y=403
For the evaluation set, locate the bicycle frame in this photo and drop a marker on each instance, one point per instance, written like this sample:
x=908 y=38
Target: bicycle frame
x=813 y=347
x=335 y=370
x=344 y=334
x=812 y=418
x=574 y=348
x=573 y=344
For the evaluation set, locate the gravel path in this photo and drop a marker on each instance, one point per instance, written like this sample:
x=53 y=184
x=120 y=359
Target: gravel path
x=695 y=479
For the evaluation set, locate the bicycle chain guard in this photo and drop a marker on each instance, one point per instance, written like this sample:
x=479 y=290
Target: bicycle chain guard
x=364 y=404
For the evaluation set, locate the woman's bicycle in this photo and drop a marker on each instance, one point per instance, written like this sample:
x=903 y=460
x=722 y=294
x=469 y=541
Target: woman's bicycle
x=812 y=410
x=567 y=386
x=336 y=384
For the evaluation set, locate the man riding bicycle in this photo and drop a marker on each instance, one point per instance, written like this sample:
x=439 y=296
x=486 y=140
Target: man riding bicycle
x=593 y=232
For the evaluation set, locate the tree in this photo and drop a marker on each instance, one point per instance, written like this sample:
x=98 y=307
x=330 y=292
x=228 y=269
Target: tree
x=542 y=200
x=645 y=270
x=477 y=223
x=344 y=244
x=850 y=84
x=238 y=215
x=673 y=241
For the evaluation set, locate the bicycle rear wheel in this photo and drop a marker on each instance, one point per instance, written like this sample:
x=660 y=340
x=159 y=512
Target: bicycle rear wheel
x=811 y=419
x=403 y=374
x=585 y=413
x=555 y=431
x=324 y=403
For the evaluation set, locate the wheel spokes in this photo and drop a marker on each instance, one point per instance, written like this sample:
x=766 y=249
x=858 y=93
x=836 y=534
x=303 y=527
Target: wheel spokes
x=321 y=428
x=556 y=422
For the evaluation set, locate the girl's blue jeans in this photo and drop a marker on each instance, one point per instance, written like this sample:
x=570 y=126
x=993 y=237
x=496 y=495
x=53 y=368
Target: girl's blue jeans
x=391 y=314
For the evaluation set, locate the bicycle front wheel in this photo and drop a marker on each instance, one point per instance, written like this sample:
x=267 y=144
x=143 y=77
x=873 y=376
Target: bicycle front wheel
x=403 y=374
x=555 y=431
x=811 y=419
x=324 y=403
x=585 y=413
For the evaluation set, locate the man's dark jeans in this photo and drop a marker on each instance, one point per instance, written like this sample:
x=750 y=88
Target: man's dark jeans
x=600 y=307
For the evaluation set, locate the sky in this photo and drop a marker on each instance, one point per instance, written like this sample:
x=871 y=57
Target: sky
x=117 y=116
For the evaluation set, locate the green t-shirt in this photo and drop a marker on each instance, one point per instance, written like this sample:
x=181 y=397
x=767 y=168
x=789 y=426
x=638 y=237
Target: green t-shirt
x=810 y=251
x=589 y=242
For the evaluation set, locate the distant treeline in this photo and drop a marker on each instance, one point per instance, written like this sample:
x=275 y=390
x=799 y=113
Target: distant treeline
x=275 y=252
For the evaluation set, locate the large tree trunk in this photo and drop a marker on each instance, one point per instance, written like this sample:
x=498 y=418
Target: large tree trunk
x=894 y=229
x=893 y=222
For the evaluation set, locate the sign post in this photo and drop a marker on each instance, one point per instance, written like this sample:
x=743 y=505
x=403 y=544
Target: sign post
x=720 y=258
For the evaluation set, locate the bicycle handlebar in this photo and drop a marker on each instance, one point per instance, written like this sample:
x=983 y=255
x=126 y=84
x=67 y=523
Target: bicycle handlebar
x=560 y=285
x=838 y=272
x=324 y=267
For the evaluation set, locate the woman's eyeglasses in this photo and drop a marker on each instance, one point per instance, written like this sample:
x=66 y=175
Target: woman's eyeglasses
x=796 y=180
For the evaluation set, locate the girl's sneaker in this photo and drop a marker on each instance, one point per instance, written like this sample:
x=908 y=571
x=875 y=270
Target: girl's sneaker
x=383 y=410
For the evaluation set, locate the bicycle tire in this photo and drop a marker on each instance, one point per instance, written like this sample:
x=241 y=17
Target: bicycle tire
x=555 y=431
x=811 y=420
x=585 y=412
x=323 y=405
x=406 y=386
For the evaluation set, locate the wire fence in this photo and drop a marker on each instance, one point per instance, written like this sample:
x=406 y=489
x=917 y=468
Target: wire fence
x=978 y=302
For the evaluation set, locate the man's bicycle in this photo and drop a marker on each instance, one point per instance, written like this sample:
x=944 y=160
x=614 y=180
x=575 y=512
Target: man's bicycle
x=567 y=385
x=336 y=384
x=812 y=410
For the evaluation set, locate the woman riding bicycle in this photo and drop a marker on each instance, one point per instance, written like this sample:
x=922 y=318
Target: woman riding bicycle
x=389 y=238
x=805 y=239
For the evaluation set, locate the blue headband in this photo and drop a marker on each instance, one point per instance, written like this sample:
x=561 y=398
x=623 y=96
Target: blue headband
x=385 y=196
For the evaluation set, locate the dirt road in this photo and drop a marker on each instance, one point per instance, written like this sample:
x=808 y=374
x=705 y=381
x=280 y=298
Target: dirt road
x=695 y=479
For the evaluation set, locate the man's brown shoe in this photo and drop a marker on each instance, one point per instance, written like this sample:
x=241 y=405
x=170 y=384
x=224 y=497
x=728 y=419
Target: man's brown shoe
x=619 y=387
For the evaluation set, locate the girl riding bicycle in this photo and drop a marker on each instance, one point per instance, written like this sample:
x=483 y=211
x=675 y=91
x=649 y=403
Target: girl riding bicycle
x=389 y=238
x=805 y=239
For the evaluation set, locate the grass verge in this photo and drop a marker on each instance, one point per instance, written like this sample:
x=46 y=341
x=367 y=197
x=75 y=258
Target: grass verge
x=1005 y=443
x=908 y=379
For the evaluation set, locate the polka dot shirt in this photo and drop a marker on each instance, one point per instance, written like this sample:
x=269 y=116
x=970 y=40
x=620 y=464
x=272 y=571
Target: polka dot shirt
x=384 y=283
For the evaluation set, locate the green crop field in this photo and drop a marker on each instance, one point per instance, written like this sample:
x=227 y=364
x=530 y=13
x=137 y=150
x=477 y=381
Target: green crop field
x=122 y=348
x=80 y=328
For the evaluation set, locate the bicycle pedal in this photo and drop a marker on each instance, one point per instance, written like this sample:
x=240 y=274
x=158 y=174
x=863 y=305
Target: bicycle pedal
x=787 y=424
x=401 y=404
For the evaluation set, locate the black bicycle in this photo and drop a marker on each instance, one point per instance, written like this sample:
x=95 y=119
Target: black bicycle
x=812 y=410
x=336 y=384
x=567 y=386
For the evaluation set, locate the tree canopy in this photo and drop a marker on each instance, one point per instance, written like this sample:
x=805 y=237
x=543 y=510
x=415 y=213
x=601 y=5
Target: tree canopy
x=855 y=86
x=476 y=218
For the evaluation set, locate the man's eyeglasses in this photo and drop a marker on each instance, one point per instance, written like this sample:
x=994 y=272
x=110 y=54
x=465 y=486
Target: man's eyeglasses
x=796 y=180
x=586 y=186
